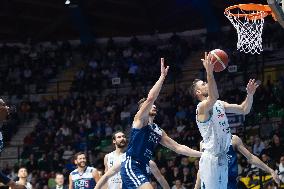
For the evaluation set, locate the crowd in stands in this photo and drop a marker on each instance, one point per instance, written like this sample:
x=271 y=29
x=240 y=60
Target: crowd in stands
x=28 y=67
x=132 y=63
x=84 y=121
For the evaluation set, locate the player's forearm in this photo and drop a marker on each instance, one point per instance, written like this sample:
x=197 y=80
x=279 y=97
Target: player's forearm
x=184 y=150
x=162 y=181
x=247 y=104
x=198 y=181
x=102 y=182
x=212 y=87
x=258 y=163
x=154 y=92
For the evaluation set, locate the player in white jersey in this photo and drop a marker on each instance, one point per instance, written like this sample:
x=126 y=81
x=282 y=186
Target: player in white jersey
x=214 y=128
x=115 y=157
x=84 y=177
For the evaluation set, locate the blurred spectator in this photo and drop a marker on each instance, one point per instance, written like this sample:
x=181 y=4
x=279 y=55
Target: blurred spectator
x=178 y=185
x=68 y=153
x=258 y=146
x=187 y=178
x=268 y=161
x=277 y=149
x=59 y=180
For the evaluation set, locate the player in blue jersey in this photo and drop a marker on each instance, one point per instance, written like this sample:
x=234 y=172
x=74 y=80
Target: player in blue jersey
x=84 y=177
x=4 y=112
x=144 y=138
x=237 y=145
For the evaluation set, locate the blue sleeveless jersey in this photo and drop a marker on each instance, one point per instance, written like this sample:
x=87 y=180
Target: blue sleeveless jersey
x=143 y=142
x=232 y=168
x=83 y=181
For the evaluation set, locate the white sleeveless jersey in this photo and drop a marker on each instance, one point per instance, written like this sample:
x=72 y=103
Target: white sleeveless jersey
x=215 y=131
x=115 y=181
x=83 y=180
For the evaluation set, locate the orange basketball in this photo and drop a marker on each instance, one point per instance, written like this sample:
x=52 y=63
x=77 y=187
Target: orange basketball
x=220 y=59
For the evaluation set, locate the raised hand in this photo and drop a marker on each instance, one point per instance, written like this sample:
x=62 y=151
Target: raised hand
x=164 y=71
x=207 y=63
x=252 y=86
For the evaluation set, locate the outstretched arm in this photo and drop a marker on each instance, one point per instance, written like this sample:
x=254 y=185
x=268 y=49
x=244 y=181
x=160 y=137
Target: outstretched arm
x=105 y=163
x=157 y=174
x=213 y=94
x=178 y=148
x=252 y=159
x=197 y=182
x=152 y=96
x=96 y=175
x=113 y=170
x=70 y=182
x=245 y=106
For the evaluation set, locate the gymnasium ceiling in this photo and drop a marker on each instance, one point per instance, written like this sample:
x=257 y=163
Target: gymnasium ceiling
x=51 y=20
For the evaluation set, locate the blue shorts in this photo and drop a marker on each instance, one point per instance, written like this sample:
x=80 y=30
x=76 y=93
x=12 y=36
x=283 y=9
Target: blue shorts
x=133 y=173
x=232 y=183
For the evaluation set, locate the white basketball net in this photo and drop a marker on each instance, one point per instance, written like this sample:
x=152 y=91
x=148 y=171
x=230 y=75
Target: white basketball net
x=249 y=31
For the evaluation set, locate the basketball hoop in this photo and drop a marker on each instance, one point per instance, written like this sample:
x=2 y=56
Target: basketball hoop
x=248 y=19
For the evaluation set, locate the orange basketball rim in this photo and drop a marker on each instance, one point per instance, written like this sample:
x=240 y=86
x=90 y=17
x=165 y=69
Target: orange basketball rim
x=257 y=11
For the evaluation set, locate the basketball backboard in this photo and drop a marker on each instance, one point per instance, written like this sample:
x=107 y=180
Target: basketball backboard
x=277 y=6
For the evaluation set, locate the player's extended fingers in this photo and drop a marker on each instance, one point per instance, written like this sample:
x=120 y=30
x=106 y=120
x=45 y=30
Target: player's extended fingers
x=167 y=69
x=250 y=80
x=162 y=65
x=211 y=59
x=162 y=61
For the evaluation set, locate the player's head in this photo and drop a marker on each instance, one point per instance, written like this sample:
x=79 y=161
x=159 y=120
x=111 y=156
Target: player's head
x=199 y=89
x=119 y=139
x=59 y=179
x=153 y=111
x=23 y=172
x=80 y=159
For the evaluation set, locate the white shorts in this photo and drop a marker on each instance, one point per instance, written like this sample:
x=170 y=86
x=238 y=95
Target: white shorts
x=213 y=171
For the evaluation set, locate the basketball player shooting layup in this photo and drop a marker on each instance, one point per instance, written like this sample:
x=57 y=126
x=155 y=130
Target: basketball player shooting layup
x=214 y=128
x=144 y=138
x=237 y=145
